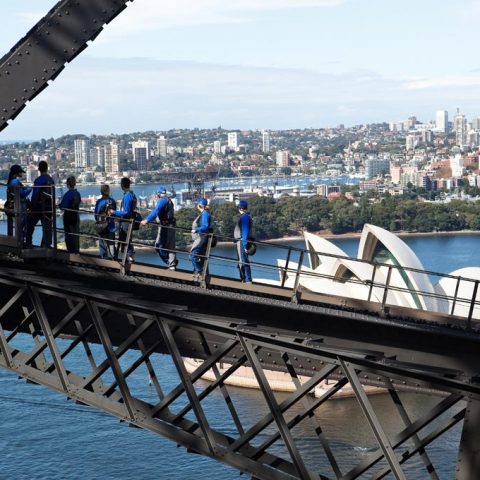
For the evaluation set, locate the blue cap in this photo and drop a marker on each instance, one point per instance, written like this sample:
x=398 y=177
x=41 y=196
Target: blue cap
x=161 y=190
x=243 y=204
x=202 y=201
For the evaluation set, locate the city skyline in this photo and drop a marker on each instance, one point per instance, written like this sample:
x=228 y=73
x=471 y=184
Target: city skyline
x=277 y=65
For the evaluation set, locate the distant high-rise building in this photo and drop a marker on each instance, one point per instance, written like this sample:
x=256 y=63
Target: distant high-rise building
x=410 y=142
x=162 y=147
x=99 y=157
x=112 y=158
x=266 y=141
x=82 y=153
x=476 y=124
x=140 y=155
x=441 y=121
x=282 y=158
x=460 y=129
x=217 y=146
x=233 y=141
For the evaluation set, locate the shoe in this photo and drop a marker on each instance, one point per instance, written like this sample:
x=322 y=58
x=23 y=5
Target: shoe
x=28 y=246
x=196 y=277
x=173 y=268
x=130 y=260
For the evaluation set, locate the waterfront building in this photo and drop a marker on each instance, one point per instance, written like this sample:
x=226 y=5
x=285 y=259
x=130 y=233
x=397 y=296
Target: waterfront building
x=282 y=158
x=112 y=158
x=162 y=146
x=441 y=121
x=266 y=141
x=233 y=141
x=82 y=153
x=476 y=124
x=460 y=129
x=377 y=166
x=141 y=155
x=217 y=147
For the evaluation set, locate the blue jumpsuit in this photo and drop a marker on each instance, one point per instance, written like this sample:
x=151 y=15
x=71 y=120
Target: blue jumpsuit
x=24 y=193
x=127 y=211
x=107 y=244
x=71 y=220
x=201 y=225
x=242 y=234
x=165 y=242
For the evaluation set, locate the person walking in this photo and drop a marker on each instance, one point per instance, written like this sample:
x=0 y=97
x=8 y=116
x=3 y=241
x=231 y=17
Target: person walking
x=41 y=207
x=70 y=204
x=105 y=225
x=164 y=213
x=15 y=187
x=201 y=227
x=241 y=235
x=126 y=213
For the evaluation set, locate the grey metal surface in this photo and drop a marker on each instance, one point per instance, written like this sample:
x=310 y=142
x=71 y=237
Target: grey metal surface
x=40 y=56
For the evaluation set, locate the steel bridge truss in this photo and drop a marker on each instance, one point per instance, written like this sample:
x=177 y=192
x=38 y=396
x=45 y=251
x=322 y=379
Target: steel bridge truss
x=93 y=348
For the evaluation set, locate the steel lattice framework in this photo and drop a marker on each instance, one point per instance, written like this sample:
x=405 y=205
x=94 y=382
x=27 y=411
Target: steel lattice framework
x=61 y=319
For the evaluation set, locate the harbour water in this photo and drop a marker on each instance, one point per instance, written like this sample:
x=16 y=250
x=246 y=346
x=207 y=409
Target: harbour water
x=44 y=436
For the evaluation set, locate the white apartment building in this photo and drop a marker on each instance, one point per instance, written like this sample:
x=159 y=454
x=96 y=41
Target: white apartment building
x=162 y=147
x=82 y=153
x=112 y=158
x=282 y=158
x=441 y=121
x=266 y=141
x=460 y=129
x=233 y=141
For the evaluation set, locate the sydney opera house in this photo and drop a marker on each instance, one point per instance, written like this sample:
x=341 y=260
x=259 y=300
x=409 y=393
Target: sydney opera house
x=385 y=270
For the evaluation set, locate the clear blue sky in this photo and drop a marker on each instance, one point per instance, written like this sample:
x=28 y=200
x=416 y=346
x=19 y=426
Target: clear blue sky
x=258 y=64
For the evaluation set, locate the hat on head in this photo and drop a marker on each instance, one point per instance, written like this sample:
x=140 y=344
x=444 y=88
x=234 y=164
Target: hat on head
x=161 y=190
x=243 y=204
x=16 y=169
x=202 y=201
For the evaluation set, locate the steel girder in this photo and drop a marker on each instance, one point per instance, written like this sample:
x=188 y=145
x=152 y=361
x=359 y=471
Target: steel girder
x=40 y=56
x=271 y=448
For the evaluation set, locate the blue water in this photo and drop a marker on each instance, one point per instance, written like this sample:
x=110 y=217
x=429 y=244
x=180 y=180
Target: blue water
x=44 y=436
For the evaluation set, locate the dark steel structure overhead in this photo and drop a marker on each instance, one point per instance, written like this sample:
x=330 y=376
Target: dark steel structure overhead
x=39 y=57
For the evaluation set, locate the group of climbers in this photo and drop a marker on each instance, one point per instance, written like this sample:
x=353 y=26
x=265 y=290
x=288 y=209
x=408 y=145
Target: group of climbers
x=40 y=208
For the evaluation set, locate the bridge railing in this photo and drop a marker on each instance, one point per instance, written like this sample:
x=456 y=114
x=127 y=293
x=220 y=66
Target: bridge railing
x=383 y=283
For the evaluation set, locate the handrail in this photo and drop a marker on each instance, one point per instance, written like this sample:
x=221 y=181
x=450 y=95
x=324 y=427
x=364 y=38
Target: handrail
x=289 y=270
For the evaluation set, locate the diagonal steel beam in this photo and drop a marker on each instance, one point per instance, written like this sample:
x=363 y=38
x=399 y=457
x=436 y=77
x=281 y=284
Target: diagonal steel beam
x=285 y=405
x=299 y=418
x=49 y=337
x=307 y=403
x=405 y=435
x=151 y=371
x=372 y=419
x=212 y=386
x=198 y=373
x=112 y=359
x=187 y=384
x=5 y=349
x=223 y=389
x=39 y=348
x=407 y=422
x=119 y=352
x=432 y=436
x=275 y=410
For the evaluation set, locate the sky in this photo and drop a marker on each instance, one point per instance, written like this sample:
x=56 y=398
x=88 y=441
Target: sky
x=255 y=64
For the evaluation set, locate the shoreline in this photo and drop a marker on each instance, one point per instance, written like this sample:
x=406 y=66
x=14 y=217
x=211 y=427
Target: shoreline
x=355 y=235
